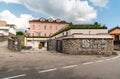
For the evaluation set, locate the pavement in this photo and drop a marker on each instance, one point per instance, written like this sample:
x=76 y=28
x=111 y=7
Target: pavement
x=51 y=65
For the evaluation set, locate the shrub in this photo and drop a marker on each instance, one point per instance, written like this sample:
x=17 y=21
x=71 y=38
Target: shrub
x=22 y=45
x=36 y=36
x=19 y=33
x=85 y=26
x=40 y=45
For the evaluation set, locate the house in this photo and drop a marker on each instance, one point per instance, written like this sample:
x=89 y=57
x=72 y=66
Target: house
x=115 y=33
x=83 y=40
x=41 y=29
x=45 y=27
x=6 y=30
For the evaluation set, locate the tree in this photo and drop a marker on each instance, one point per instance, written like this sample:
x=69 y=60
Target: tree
x=70 y=24
x=19 y=33
x=96 y=23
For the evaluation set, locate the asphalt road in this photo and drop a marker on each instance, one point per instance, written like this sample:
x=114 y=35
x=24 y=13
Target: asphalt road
x=101 y=69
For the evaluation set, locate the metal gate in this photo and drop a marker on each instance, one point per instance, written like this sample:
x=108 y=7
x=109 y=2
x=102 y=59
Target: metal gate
x=59 y=46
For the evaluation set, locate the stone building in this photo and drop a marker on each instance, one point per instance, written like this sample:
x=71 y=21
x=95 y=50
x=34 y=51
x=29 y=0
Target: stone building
x=82 y=42
x=115 y=33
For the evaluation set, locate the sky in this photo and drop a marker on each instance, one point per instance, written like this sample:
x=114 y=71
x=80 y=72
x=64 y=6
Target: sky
x=19 y=12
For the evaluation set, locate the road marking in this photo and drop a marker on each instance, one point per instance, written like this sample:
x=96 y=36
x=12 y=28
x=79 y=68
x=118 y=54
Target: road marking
x=107 y=59
x=15 y=76
x=100 y=61
x=69 y=66
x=43 y=71
x=115 y=57
x=87 y=63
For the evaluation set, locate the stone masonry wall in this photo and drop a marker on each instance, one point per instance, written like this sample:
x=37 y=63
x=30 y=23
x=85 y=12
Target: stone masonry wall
x=88 y=46
x=14 y=44
x=51 y=45
x=3 y=38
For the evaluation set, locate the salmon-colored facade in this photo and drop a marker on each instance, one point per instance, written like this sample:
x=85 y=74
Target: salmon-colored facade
x=115 y=33
x=45 y=27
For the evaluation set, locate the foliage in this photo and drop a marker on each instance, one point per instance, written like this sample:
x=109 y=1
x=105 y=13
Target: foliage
x=19 y=33
x=87 y=26
x=22 y=44
x=36 y=36
x=40 y=45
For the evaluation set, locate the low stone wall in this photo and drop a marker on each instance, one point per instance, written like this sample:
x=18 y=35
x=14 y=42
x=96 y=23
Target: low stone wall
x=51 y=45
x=14 y=44
x=3 y=38
x=88 y=46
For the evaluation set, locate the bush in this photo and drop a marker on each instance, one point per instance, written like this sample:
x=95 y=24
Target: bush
x=22 y=45
x=40 y=45
x=85 y=26
x=36 y=36
x=19 y=33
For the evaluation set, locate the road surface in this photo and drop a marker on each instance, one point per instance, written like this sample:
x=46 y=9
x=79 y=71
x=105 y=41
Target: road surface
x=97 y=69
x=100 y=69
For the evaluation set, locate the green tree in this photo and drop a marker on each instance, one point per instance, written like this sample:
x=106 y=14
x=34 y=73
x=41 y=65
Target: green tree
x=96 y=23
x=70 y=24
x=19 y=33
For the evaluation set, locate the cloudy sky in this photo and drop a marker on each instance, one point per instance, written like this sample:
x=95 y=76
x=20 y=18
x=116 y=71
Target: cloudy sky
x=19 y=12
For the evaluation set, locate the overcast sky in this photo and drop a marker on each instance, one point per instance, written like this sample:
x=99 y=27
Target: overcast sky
x=19 y=12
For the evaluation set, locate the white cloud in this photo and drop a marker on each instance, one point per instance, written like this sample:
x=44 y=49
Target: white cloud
x=21 y=22
x=74 y=10
x=70 y=10
x=77 y=11
x=10 y=1
x=99 y=3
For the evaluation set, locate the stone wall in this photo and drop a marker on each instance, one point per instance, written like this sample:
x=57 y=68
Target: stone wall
x=51 y=45
x=88 y=46
x=14 y=44
x=3 y=38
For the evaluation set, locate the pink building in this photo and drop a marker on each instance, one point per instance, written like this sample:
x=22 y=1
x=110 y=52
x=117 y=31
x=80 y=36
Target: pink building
x=45 y=27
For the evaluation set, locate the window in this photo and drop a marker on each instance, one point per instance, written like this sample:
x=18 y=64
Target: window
x=50 y=27
x=32 y=34
x=38 y=27
x=56 y=27
x=116 y=37
x=67 y=33
x=63 y=34
x=50 y=34
x=33 y=27
x=39 y=34
x=44 y=34
x=45 y=27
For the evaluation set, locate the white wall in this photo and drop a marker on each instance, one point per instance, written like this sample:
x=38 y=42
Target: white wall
x=12 y=30
x=4 y=30
x=88 y=31
x=34 y=42
x=82 y=31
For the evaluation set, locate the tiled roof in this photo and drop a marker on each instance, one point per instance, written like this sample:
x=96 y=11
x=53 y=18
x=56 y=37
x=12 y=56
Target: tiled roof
x=47 y=21
x=113 y=29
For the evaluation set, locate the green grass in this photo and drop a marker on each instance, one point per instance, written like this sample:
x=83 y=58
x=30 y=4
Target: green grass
x=37 y=36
